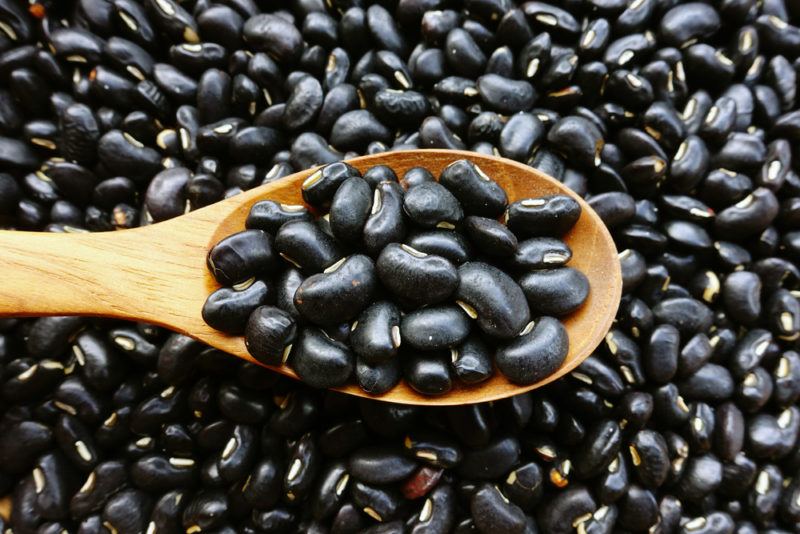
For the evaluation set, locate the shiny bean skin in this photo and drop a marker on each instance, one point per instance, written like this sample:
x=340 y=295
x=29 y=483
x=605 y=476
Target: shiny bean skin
x=269 y=331
x=555 y=292
x=306 y=246
x=546 y=216
x=435 y=327
x=477 y=192
x=534 y=354
x=375 y=336
x=242 y=256
x=416 y=277
x=227 y=308
x=493 y=298
x=319 y=360
x=339 y=293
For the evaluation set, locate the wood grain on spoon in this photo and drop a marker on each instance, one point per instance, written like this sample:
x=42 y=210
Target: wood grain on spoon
x=158 y=274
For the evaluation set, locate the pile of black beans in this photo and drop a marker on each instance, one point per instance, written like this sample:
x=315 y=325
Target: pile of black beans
x=389 y=282
x=678 y=122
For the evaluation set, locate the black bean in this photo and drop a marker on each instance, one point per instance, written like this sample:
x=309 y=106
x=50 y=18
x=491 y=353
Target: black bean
x=414 y=276
x=564 y=508
x=472 y=361
x=689 y=22
x=339 y=293
x=435 y=327
x=241 y=256
x=156 y=473
x=477 y=192
x=331 y=492
x=702 y=475
x=710 y=383
x=551 y=215
x=492 y=511
x=105 y=480
x=76 y=442
x=379 y=173
x=385 y=223
x=493 y=298
x=437 y=513
x=555 y=292
x=432 y=205
x=741 y=295
x=319 y=360
x=355 y=129
x=148 y=416
x=536 y=353
x=428 y=372
x=505 y=95
x=695 y=353
x=638 y=509
x=375 y=465
x=378 y=503
x=350 y=209
x=375 y=336
x=401 y=107
x=227 y=309
x=551 y=18
x=305 y=245
x=275 y=36
x=490 y=236
x=599 y=448
x=127 y=511
x=521 y=134
x=269 y=334
x=770 y=437
x=167 y=510
x=601 y=376
x=377 y=378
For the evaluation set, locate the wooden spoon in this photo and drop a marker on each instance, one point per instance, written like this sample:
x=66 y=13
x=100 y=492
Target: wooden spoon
x=158 y=274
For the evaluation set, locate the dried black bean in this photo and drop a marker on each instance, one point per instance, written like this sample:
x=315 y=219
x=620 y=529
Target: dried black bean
x=555 y=292
x=493 y=298
x=379 y=466
x=227 y=309
x=435 y=327
x=544 y=216
x=492 y=511
x=521 y=134
x=242 y=256
x=414 y=276
x=565 y=508
x=339 y=293
x=269 y=334
x=477 y=192
x=305 y=245
x=377 y=378
x=127 y=511
x=536 y=353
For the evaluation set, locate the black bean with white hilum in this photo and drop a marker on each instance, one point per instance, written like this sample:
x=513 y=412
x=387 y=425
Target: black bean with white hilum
x=381 y=314
x=676 y=120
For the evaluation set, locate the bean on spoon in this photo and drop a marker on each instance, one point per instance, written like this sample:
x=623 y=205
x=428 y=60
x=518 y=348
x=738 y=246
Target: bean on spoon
x=158 y=273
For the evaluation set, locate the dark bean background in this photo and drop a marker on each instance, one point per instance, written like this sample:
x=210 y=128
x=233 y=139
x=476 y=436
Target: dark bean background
x=679 y=122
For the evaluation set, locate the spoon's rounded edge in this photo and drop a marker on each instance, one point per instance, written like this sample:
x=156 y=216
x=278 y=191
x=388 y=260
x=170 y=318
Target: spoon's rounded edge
x=594 y=253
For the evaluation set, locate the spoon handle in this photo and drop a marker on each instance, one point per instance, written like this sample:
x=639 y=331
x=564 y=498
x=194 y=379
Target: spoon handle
x=144 y=274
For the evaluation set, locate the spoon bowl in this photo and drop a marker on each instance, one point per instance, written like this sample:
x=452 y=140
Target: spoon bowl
x=158 y=273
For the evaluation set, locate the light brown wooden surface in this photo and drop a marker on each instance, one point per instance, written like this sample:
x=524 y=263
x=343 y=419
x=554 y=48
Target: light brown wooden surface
x=158 y=274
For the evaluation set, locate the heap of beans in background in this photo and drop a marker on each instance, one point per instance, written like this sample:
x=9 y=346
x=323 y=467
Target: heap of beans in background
x=120 y=113
x=388 y=282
